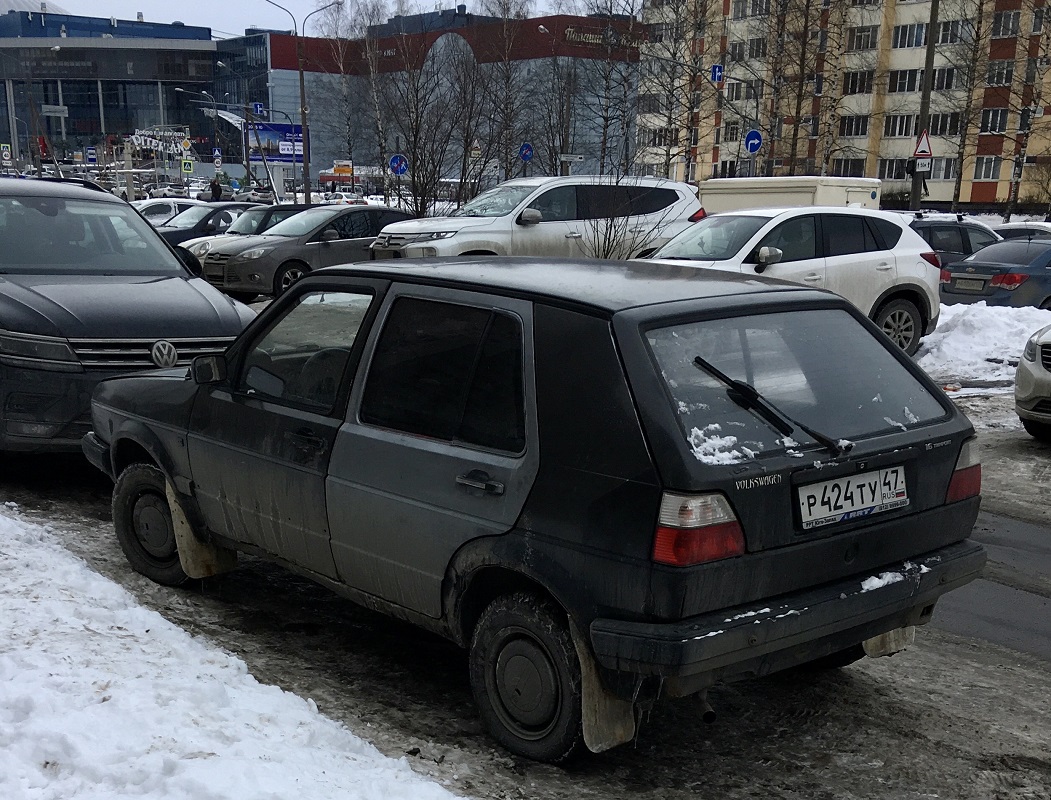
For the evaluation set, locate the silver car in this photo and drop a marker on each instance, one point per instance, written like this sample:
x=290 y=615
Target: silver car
x=319 y=237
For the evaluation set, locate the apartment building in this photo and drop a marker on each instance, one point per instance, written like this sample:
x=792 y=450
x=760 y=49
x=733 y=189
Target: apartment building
x=835 y=86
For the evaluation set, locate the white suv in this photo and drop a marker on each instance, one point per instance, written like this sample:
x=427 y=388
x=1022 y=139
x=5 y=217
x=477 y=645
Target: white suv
x=573 y=216
x=872 y=258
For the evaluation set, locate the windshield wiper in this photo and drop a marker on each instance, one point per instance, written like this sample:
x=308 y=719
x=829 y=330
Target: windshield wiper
x=747 y=396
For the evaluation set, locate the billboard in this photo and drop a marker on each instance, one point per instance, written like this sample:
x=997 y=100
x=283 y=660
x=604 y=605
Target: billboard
x=281 y=143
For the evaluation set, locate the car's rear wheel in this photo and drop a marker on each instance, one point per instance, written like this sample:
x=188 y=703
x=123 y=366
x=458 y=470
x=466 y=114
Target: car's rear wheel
x=243 y=297
x=525 y=677
x=1040 y=431
x=143 y=522
x=902 y=322
x=287 y=274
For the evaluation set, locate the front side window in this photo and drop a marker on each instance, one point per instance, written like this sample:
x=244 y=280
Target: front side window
x=449 y=372
x=40 y=234
x=796 y=238
x=353 y=226
x=249 y=221
x=301 y=359
x=557 y=205
x=801 y=363
x=979 y=238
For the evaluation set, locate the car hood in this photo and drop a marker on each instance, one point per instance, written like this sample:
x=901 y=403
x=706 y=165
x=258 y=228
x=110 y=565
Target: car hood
x=238 y=244
x=432 y=224
x=119 y=307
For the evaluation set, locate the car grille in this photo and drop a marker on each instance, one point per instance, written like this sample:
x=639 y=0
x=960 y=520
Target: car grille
x=392 y=240
x=1045 y=356
x=215 y=268
x=135 y=353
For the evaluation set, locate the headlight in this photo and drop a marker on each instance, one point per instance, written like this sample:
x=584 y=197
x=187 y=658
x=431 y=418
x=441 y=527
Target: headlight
x=255 y=252
x=432 y=237
x=1029 y=354
x=200 y=248
x=39 y=352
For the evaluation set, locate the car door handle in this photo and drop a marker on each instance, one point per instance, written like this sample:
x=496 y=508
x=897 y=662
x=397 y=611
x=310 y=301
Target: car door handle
x=884 y=267
x=812 y=278
x=306 y=439
x=479 y=479
x=573 y=235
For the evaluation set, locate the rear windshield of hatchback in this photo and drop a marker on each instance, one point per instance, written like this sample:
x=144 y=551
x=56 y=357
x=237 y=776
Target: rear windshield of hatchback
x=820 y=368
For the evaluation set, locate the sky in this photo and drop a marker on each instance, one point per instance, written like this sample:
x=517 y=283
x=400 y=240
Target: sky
x=103 y=699
x=229 y=17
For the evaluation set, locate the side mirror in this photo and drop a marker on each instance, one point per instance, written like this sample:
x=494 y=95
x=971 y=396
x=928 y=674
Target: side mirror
x=208 y=369
x=767 y=256
x=190 y=261
x=329 y=235
x=530 y=216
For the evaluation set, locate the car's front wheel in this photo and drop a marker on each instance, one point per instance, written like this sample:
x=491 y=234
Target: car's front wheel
x=525 y=677
x=902 y=322
x=287 y=274
x=1040 y=431
x=144 y=526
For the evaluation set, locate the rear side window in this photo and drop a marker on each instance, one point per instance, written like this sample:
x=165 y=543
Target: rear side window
x=603 y=202
x=650 y=199
x=822 y=368
x=946 y=237
x=846 y=234
x=449 y=372
x=979 y=238
x=887 y=231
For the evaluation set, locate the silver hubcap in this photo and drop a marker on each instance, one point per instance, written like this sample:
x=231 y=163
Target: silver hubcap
x=899 y=326
x=290 y=276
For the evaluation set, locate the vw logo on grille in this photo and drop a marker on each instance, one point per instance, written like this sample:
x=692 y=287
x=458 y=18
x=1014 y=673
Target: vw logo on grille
x=164 y=354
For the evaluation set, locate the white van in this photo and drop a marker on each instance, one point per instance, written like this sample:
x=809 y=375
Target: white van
x=733 y=194
x=572 y=216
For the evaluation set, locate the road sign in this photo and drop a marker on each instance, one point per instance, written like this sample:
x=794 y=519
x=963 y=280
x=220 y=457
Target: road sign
x=923 y=165
x=47 y=110
x=258 y=109
x=235 y=184
x=717 y=73
x=399 y=164
x=5 y=154
x=525 y=152
x=570 y=157
x=91 y=155
x=753 y=140
x=187 y=165
x=218 y=163
x=923 y=146
x=476 y=149
x=217 y=152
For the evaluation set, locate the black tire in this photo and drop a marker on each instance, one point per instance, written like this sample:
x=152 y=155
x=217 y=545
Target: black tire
x=525 y=677
x=843 y=658
x=287 y=274
x=243 y=297
x=902 y=322
x=1040 y=431
x=143 y=522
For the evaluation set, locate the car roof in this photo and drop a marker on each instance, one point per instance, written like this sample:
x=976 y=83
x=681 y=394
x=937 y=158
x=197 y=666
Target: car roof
x=608 y=180
x=1032 y=224
x=776 y=211
x=69 y=189
x=611 y=286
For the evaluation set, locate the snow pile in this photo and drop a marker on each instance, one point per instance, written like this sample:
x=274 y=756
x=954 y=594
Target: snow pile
x=879 y=581
x=975 y=342
x=101 y=698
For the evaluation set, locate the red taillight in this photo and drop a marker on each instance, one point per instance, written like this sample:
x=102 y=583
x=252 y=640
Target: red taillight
x=698 y=215
x=931 y=258
x=946 y=276
x=967 y=477
x=696 y=529
x=1009 y=280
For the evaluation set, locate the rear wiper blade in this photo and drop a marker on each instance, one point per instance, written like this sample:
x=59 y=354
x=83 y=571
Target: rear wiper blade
x=747 y=396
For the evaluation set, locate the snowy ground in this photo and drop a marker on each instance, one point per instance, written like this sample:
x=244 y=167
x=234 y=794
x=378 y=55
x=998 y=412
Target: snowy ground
x=103 y=698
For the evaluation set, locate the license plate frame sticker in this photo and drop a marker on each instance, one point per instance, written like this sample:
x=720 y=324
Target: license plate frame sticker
x=852 y=497
x=969 y=284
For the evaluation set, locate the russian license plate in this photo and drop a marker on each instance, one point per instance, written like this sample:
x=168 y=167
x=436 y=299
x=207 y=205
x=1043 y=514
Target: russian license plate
x=970 y=284
x=852 y=497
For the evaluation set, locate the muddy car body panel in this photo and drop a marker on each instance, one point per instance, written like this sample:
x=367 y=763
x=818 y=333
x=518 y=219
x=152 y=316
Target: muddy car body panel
x=475 y=447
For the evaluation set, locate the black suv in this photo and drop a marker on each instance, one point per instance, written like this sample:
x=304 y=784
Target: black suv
x=610 y=481
x=952 y=236
x=89 y=291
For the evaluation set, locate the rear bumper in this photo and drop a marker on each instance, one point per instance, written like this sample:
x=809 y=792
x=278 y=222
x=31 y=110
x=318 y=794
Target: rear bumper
x=760 y=638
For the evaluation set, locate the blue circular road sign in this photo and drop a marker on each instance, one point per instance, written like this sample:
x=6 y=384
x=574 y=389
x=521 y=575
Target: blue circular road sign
x=753 y=140
x=525 y=152
x=399 y=164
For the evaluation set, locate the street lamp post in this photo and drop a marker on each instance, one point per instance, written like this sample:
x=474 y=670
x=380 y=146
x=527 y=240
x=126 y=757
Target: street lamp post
x=304 y=129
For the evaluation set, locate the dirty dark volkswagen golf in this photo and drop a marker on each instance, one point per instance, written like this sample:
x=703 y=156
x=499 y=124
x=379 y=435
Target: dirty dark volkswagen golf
x=611 y=482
